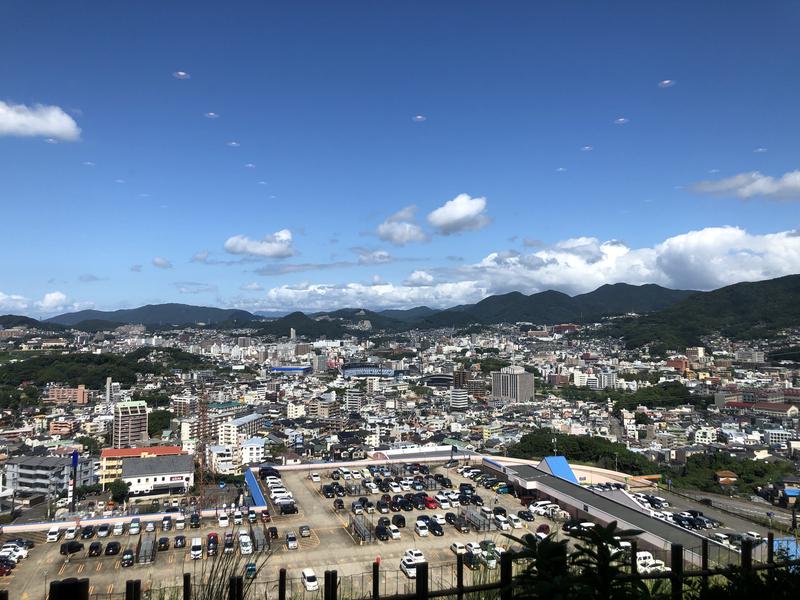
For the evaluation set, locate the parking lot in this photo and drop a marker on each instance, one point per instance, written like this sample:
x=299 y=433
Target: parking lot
x=330 y=545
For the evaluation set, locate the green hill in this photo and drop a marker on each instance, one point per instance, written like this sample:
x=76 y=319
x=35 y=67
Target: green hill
x=739 y=311
x=303 y=326
x=157 y=314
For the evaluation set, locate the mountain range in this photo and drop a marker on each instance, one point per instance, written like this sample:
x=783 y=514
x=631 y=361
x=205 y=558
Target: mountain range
x=677 y=317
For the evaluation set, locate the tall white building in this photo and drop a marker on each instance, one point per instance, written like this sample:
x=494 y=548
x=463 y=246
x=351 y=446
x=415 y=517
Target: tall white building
x=353 y=400
x=459 y=399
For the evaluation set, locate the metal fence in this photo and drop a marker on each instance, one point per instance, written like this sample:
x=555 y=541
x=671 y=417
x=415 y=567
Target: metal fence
x=448 y=580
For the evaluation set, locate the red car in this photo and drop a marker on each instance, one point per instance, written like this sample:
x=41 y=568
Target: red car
x=4 y=570
x=265 y=518
x=431 y=503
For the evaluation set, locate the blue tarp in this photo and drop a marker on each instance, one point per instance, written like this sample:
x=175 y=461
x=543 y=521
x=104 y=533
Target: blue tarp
x=559 y=467
x=255 y=488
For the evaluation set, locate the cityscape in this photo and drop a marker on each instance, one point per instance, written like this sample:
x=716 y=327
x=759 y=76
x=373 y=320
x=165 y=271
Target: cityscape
x=399 y=301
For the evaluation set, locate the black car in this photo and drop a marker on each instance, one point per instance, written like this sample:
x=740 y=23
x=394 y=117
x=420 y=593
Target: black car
x=450 y=518
x=113 y=548
x=499 y=510
x=463 y=500
x=288 y=509
x=382 y=507
x=407 y=505
x=180 y=541
x=446 y=483
x=163 y=543
x=7 y=564
x=273 y=533
x=435 y=529
x=399 y=521
x=382 y=533
x=194 y=521
x=95 y=549
x=87 y=532
x=476 y=500
x=338 y=504
x=127 y=559
x=327 y=491
x=461 y=525
x=525 y=515
x=72 y=547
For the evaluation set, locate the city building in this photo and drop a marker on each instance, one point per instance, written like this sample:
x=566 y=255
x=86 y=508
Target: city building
x=130 y=423
x=459 y=399
x=72 y=395
x=49 y=475
x=512 y=383
x=111 y=459
x=158 y=475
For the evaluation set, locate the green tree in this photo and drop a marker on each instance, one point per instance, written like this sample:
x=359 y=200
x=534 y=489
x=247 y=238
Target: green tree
x=119 y=490
x=90 y=444
x=158 y=421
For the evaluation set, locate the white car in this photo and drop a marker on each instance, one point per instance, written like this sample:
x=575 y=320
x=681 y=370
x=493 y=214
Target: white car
x=245 y=544
x=409 y=567
x=458 y=548
x=515 y=521
x=237 y=517
x=395 y=488
x=439 y=519
x=309 y=579
x=414 y=554
x=223 y=520
x=394 y=532
x=474 y=547
x=421 y=529
x=71 y=534
x=119 y=528
x=315 y=479
x=13 y=552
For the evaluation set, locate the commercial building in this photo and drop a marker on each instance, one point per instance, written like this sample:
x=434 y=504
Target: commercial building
x=158 y=475
x=48 y=475
x=130 y=423
x=512 y=384
x=111 y=459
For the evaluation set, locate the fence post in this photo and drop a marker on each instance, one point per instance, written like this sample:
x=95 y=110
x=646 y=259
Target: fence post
x=326 y=592
x=459 y=577
x=634 y=552
x=506 y=576
x=282 y=584
x=376 y=580
x=187 y=587
x=747 y=555
x=770 y=548
x=235 y=589
x=133 y=589
x=334 y=584
x=422 y=581
x=3 y=594
x=677 y=571
x=70 y=588
x=704 y=565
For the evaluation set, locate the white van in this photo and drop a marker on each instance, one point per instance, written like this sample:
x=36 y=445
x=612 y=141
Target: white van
x=180 y=522
x=53 y=534
x=502 y=523
x=196 y=549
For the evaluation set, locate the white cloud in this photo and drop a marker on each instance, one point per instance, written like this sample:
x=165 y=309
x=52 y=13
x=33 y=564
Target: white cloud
x=211 y=115
x=200 y=257
x=13 y=302
x=136 y=268
x=276 y=245
x=181 y=75
x=253 y=286
x=753 y=184
x=401 y=228
x=462 y=213
x=621 y=121
x=372 y=257
x=233 y=144
x=419 y=118
x=88 y=163
x=51 y=122
x=162 y=263
x=587 y=148
x=666 y=83
x=193 y=287
x=249 y=166
x=760 y=150
x=51 y=302
x=419 y=279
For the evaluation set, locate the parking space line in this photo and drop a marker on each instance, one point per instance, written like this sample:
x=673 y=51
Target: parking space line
x=91 y=590
x=99 y=566
x=62 y=569
x=81 y=567
x=110 y=588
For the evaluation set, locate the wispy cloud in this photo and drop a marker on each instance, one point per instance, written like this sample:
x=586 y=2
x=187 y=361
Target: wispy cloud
x=39 y=120
x=160 y=262
x=401 y=229
x=752 y=185
x=194 y=287
x=181 y=75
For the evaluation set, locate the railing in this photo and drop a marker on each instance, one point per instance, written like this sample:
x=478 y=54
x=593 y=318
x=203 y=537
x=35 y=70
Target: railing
x=430 y=582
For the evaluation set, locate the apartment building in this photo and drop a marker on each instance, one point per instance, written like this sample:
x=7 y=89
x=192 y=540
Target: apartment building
x=130 y=424
x=48 y=475
x=245 y=427
x=68 y=395
x=513 y=384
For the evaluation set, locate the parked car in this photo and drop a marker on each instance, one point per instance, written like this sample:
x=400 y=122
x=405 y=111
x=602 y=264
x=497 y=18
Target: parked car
x=291 y=540
x=95 y=548
x=87 y=532
x=309 y=580
x=212 y=544
x=305 y=531
x=71 y=547
x=163 y=543
x=103 y=530
x=273 y=533
x=113 y=548
x=127 y=559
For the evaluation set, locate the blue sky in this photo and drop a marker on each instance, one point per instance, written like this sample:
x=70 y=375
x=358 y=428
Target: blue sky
x=391 y=154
